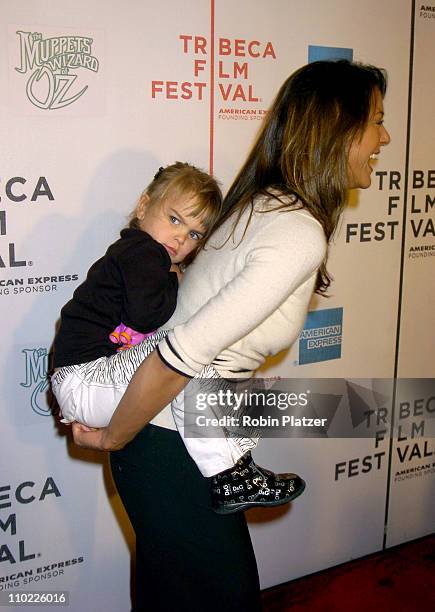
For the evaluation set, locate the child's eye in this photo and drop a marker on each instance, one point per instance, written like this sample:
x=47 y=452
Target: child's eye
x=174 y=220
x=195 y=235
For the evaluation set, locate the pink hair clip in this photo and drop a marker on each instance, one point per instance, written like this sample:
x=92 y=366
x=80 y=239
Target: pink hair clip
x=127 y=337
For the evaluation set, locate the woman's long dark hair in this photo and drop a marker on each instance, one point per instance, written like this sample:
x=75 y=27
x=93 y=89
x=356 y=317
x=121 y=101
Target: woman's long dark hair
x=302 y=147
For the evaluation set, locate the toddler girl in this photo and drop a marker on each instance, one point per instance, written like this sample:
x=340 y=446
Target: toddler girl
x=130 y=292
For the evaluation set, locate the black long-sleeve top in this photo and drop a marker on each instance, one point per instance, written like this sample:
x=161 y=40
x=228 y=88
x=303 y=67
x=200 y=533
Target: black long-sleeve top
x=131 y=284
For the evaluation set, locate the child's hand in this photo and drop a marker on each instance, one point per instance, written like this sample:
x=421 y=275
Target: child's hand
x=176 y=268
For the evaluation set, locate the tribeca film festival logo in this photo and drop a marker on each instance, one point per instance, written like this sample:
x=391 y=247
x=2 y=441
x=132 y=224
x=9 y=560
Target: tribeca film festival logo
x=23 y=562
x=24 y=493
x=17 y=191
x=422 y=214
x=36 y=380
x=53 y=64
x=325 y=408
x=232 y=74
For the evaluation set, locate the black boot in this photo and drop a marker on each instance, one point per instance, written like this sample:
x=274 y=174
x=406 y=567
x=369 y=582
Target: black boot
x=247 y=485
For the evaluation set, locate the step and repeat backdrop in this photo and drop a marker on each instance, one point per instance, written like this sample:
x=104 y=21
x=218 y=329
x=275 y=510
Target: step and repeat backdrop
x=95 y=97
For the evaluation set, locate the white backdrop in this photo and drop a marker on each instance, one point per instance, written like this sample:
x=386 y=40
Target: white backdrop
x=96 y=96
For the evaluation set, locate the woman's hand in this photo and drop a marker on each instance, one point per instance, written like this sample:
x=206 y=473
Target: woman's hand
x=153 y=386
x=90 y=437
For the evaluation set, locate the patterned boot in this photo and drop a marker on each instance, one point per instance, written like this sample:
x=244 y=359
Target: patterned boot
x=247 y=485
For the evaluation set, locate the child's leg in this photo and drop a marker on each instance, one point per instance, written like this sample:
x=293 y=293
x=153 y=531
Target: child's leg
x=89 y=393
x=81 y=399
x=212 y=454
x=238 y=483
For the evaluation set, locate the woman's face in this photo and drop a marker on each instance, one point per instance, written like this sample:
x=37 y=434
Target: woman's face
x=367 y=146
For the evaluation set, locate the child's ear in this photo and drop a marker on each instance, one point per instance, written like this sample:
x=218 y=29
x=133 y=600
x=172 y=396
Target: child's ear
x=143 y=202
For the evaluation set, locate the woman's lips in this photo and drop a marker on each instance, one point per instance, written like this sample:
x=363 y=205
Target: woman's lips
x=373 y=157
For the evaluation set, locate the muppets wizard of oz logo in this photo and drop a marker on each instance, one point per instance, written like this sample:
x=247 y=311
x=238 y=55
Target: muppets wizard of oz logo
x=52 y=63
x=36 y=369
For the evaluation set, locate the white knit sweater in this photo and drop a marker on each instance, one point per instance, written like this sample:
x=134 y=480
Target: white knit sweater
x=247 y=300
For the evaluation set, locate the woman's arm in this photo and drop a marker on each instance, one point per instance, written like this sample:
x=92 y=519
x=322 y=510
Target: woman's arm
x=283 y=257
x=152 y=387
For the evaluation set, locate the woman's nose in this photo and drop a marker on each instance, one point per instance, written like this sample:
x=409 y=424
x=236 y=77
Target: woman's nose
x=385 y=137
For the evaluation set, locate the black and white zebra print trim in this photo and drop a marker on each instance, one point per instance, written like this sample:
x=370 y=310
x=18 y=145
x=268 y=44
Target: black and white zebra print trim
x=209 y=372
x=118 y=370
x=115 y=370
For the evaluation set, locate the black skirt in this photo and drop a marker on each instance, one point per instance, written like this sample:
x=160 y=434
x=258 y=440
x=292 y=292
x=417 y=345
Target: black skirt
x=188 y=558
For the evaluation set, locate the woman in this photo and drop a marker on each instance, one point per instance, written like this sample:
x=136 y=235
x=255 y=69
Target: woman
x=266 y=256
